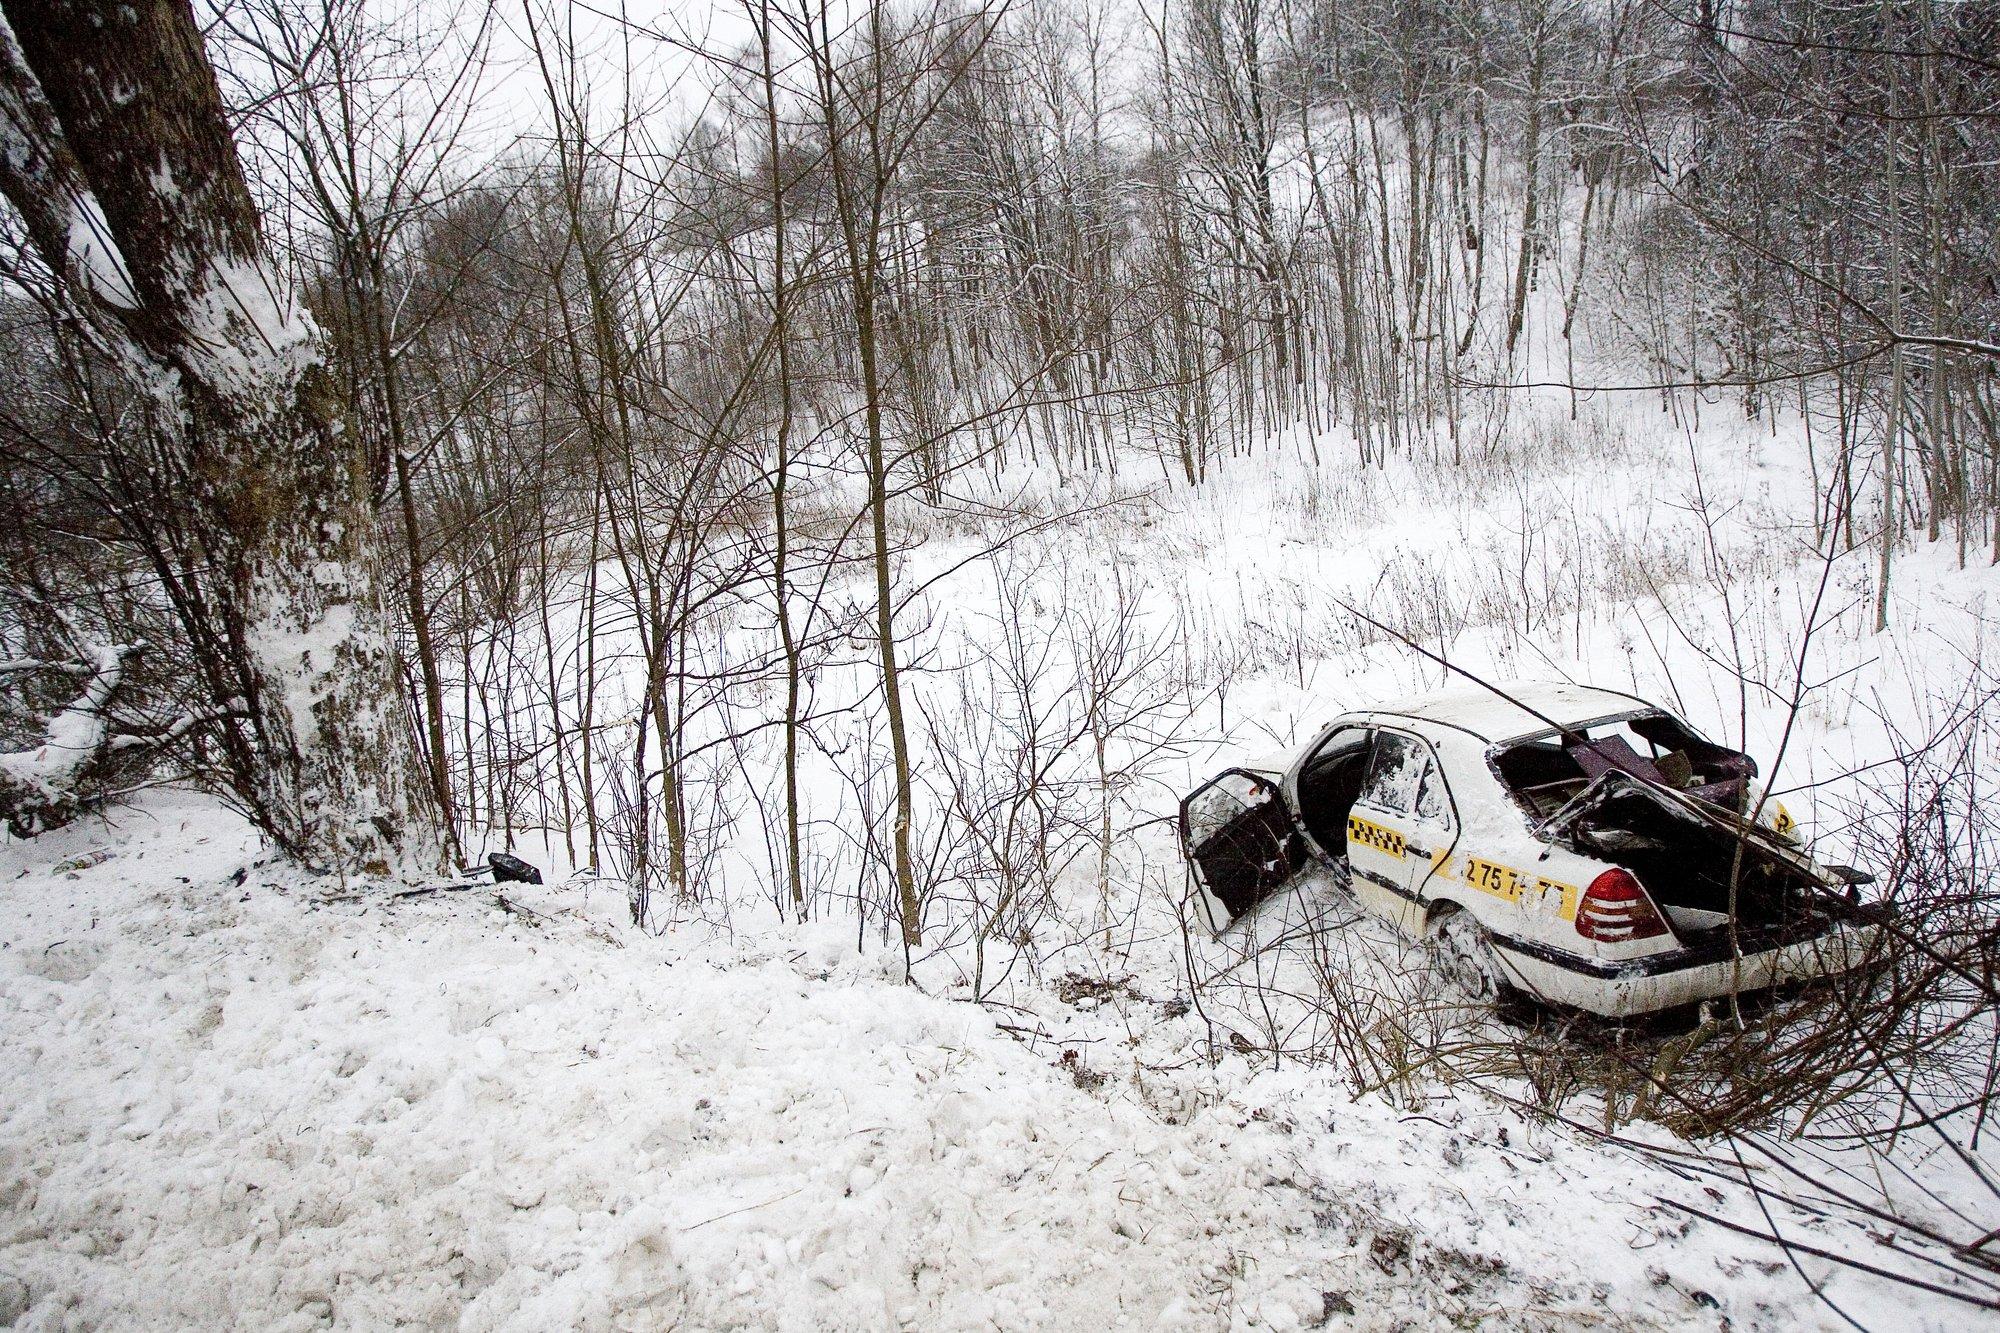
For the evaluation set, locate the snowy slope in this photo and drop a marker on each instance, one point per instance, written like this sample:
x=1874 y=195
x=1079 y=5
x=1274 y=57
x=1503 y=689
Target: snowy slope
x=240 y=1098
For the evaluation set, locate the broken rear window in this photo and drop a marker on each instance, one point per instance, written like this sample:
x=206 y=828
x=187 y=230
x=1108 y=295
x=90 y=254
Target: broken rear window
x=1544 y=773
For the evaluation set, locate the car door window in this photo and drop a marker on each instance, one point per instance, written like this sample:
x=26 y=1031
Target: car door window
x=1394 y=773
x=1219 y=804
x=1433 y=798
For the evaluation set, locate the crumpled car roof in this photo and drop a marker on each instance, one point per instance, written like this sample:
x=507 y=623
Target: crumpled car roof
x=1487 y=715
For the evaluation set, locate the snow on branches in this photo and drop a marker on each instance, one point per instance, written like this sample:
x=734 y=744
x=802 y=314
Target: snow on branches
x=49 y=783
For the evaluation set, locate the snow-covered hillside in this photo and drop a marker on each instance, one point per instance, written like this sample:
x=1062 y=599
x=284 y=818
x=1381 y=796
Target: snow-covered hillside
x=242 y=1096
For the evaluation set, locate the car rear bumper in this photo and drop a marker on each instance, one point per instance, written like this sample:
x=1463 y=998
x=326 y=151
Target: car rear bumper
x=1679 y=976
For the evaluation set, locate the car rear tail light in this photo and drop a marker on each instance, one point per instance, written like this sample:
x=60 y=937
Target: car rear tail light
x=1615 y=908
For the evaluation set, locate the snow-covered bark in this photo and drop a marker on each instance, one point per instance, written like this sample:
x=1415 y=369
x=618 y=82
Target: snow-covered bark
x=115 y=151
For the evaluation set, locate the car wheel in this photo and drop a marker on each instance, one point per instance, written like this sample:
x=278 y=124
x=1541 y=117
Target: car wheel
x=1460 y=952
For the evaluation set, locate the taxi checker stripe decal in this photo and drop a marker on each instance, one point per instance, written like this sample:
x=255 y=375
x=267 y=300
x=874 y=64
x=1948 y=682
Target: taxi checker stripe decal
x=1374 y=835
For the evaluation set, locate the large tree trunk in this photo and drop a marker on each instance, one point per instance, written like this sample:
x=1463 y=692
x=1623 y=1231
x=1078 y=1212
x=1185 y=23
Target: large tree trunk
x=117 y=156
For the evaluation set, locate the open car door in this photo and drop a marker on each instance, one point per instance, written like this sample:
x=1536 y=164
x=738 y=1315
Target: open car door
x=1240 y=842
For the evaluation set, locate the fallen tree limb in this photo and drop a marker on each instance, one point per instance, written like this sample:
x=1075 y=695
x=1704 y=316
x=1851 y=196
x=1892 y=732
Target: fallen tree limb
x=1831 y=1256
x=49 y=784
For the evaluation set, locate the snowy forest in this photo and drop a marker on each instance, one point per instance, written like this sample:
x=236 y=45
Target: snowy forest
x=618 y=626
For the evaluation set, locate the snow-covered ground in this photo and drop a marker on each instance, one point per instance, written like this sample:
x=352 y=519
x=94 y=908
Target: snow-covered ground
x=237 y=1096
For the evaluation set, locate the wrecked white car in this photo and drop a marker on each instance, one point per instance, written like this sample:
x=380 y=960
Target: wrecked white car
x=1576 y=846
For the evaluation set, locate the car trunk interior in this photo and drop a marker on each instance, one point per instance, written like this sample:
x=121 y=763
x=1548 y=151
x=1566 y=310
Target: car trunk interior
x=1687 y=861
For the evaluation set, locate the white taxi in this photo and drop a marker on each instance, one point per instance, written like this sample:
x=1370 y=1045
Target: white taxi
x=1578 y=846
